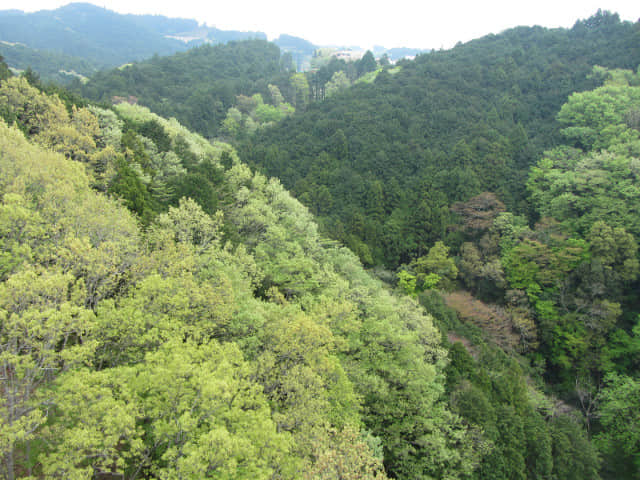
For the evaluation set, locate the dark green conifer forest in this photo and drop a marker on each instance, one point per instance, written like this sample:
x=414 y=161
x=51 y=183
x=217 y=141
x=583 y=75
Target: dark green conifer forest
x=215 y=266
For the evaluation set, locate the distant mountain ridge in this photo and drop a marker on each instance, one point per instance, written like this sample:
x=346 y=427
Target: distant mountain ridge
x=83 y=30
x=80 y=39
x=97 y=38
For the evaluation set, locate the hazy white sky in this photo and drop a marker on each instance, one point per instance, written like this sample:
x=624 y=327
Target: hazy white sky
x=411 y=23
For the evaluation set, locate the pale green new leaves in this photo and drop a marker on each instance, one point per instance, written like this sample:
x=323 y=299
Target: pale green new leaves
x=232 y=123
x=49 y=209
x=186 y=411
x=210 y=420
x=598 y=119
x=199 y=146
x=18 y=224
x=35 y=111
x=302 y=377
x=438 y=263
x=162 y=398
x=160 y=309
x=110 y=126
x=95 y=429
x=339 y=81
x=279 y=231
x=349 y=458
x=42 y=333
x=191 y=224
x=579 y=189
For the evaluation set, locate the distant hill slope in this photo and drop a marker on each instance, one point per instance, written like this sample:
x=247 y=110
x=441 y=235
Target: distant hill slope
x=50 y=66
x=86 y=31
x=196 y=87
x=101 y=37
x=381 y=163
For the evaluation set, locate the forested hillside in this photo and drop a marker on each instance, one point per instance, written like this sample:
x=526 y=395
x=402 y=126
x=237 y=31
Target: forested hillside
x=480 y=174
x=50 y=66
x=228 y=91
x=167 y=311
x=566 y=285
x=227 y=338
x=199 y=86
x=382 y=163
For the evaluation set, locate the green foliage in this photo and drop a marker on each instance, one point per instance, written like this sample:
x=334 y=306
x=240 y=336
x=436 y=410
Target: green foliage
x=127 y=185
x=576 y=457
x=152 y=130
x=231 y=334
x=579 y=189
x=239 y=339
x=4 y=69
x=339 y=81
x=598 y=119
x=208 y=417
x=95 y=426
x=386 y=344
x=366 y=64
x=267 y=114
x=436 y=268
x=52 y=66
x=36 y=317
x=253 y=113
x=448 y=126
x=33 y=111
x=76 y=248
x=407 y=282
x=525 y=436
x=197 y=87
x=300 y=87
x=578 y=268
x=619 y=439
x=622 y=352
x=345 y=460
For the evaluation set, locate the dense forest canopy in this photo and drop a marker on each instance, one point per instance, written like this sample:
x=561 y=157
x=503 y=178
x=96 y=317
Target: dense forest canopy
x=228 y=91
x=296 y=346
x=166 y=312
x=312 y=368
x=199 y=86
x=382 y=163
x=50 y=66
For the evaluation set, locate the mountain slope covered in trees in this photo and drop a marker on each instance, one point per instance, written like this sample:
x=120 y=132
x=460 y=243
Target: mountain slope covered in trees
x=165 y=312
x=382 y=163
x=225 y=338
x=294 y=347
x=568 y=282
x=50 y=66
x=229 y=91
x=199 y=86
x=449 y=157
